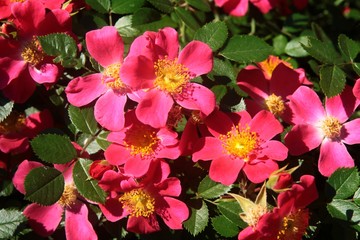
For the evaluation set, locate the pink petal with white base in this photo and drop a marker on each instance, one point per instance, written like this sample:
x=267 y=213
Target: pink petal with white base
x=197 y=57
x=105 y=45
x=83 y=90
x=333 y=155
x=44 y=219
x=109 y=110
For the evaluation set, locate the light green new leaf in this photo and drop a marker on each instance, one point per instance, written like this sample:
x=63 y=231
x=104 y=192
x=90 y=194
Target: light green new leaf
x=214 y=34
x=44 y=185
x=246 y=49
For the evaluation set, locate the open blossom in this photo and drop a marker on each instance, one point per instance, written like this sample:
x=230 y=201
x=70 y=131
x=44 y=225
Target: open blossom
x=17 y=129
x=142 y=200
x=239 y=8
x=44 y=220
x=243 y=145
x=269 y=84
x=105 y=45
x=288 y=220
x=325 y=127
x=161 y=76
x=137 y=144
x=23 y=63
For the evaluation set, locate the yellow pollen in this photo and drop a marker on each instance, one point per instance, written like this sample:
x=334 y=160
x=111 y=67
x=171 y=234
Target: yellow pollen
x=171 y=76
x=275 y=104
x=141 y=139
x=17 y=1
x=253 y=215
x=111 y=77
x=268 y=66
x=138 y=203
x=240 y=142
x=68 y=197
x=331 y=127
x=14 y=123
x=32 y=52
x=294 y=226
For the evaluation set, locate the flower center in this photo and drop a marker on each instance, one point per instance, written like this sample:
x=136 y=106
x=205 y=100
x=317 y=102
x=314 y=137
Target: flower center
x=32 y=52
x=240 y=142
x=195 y=117
x=68 y=197
x=331 y=127
x=141 y=139
x=294 y=225
x=111 y=77
x=171 y=76
x=17 y=1
x=138 y=203
x=253 y=215
x=15 y=122
x=275 y=104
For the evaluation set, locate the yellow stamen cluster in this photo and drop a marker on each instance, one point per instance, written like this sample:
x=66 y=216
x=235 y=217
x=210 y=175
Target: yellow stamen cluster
x=253 y=215
x=111 y=77
x=275 y=104
x=17 y=1
x=294 y=226
x=32 y=53
x=171 y=76
x=141 y=139
x=68 y=197
x=240 y=142
x=138 y=203
x=268 y=66
x=15 y=122
x=331 y=127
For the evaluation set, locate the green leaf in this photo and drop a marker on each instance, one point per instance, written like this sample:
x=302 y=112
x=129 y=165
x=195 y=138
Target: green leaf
x=88 y=140
x=346 y=211
x=219 y=91
x=357 y=197
x=319 y=33
x=101 y=139
x=165 y=21
x=83 y=119
x=348 y=47
x=6 y=107
x=224 y=227
x=279 y=44
x=125 y=28
x=44 y=185
x=209 y=189
x=10 y=220
x=202 y=5
x=6 y=187
x=58 y=44
x=345 y=181
x=332 y=80
x=187 y=17
x=322 y=51
x=126 y=6
x=246 y=49
x=241 y=106
x=214 y=34
x=294 y=48
x=356 y=68
x=162 y=5
x=144 y=16
x=53 y=148
x=224 y=68
x=198 y=219
x=231 y=211
x=85 y=185
x=101 y=6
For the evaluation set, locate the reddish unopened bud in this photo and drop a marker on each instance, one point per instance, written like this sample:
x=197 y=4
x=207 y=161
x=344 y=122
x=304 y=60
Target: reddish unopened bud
x=8 y=30
x=284 y=181
x=98 y=168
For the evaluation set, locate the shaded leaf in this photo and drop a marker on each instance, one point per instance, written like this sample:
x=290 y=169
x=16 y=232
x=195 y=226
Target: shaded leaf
x=198 y=219
x=53 y=148
x=348 y=47
x=322 y=51
x=126 y=6
x=214 y=34
x=332 y=80
x=246 y=49
x=345 y=181
x=187 y=17
x=209 y=189
x=295 y=48
x=224 y=227
x=162 y=5
x=85 y=185
x=224 y=68
x=101 y=6
x=44 y=185
x=231 y=211
x=202 y=5
x=10 y=219
x=83 y=119
x=346 y=211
